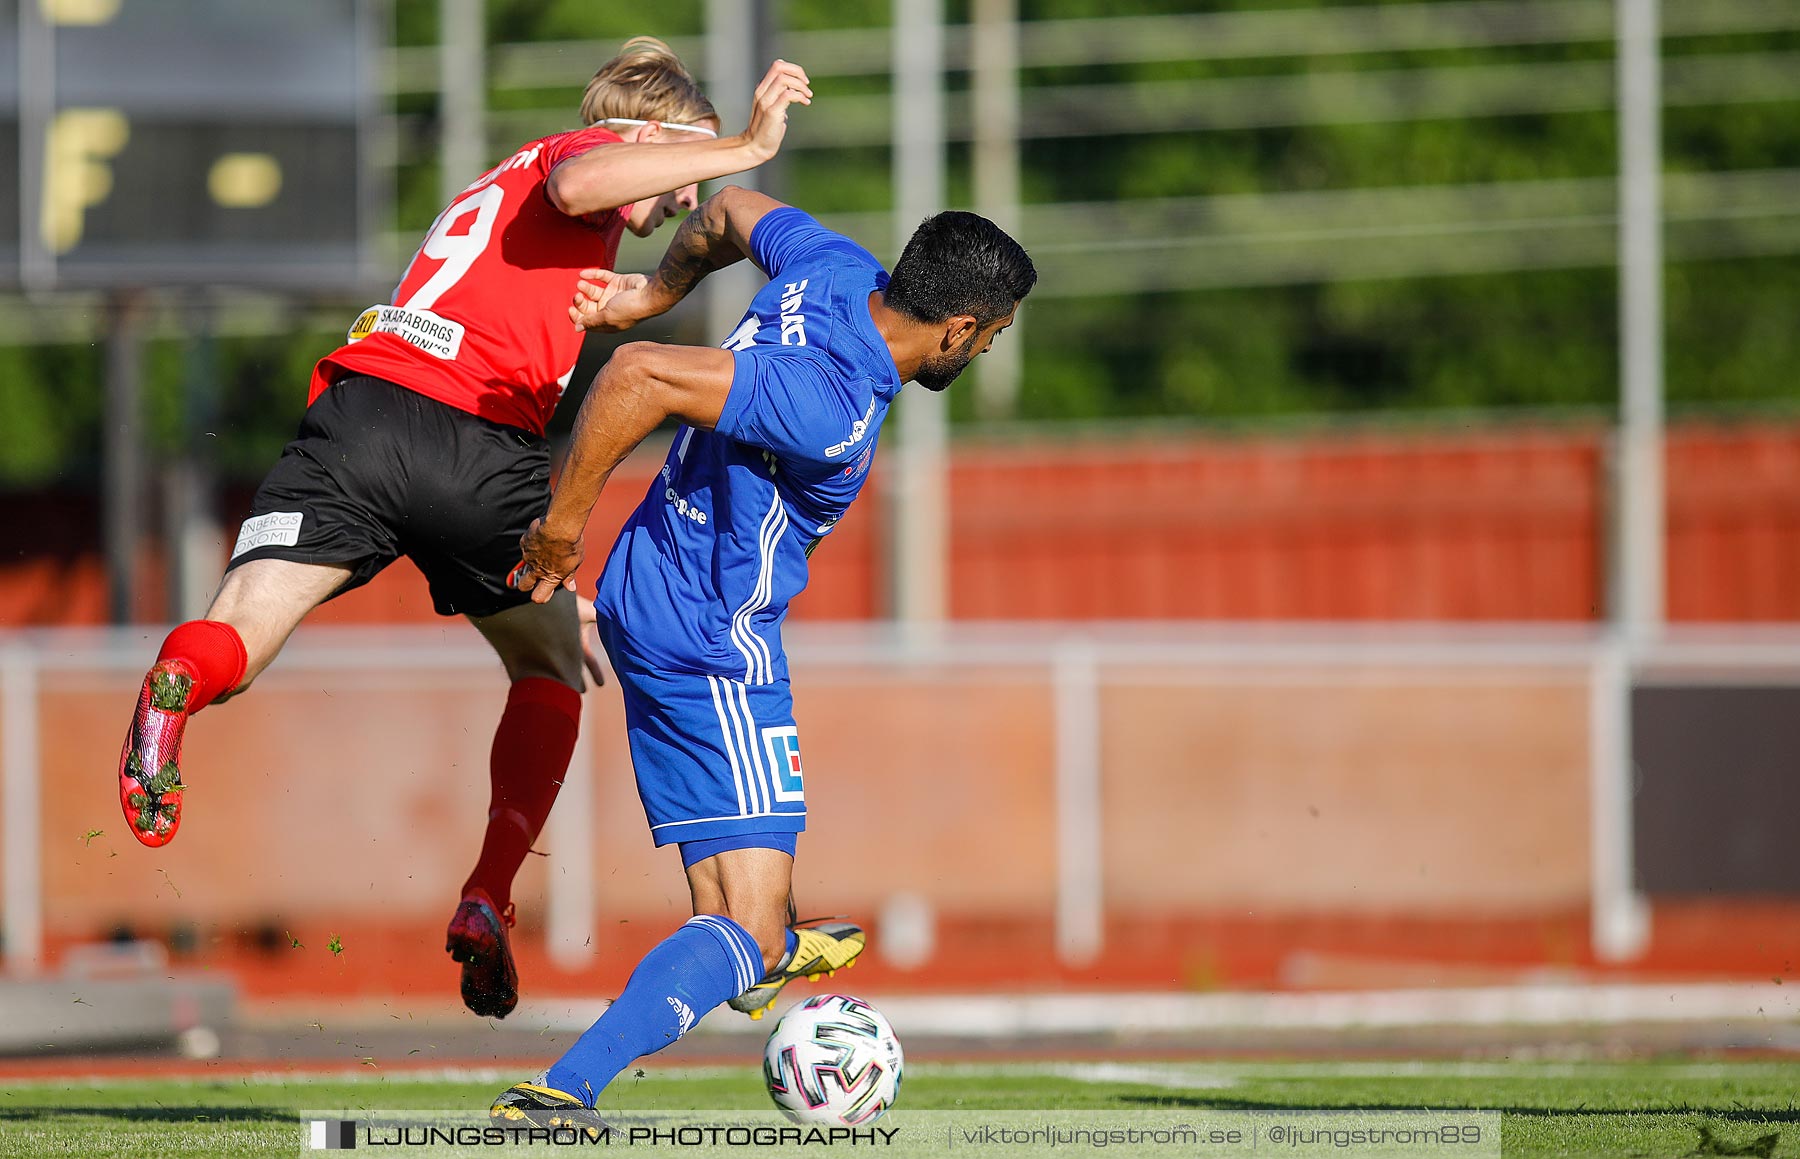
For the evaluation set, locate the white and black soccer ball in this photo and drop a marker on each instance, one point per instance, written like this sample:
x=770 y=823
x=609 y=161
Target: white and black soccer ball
x=833 y=1059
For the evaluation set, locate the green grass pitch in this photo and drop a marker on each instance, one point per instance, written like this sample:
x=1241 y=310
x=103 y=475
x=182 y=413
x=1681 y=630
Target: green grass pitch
x=1574 y=1108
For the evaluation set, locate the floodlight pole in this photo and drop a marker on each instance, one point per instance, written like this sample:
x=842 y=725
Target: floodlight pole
x=37 y=109
x=190 y=502
x=1641 y=514
x=731 y=71
x=994 y=84
x=122 y=451
x=919 y=557
x=462 y=96
x=1620 y=915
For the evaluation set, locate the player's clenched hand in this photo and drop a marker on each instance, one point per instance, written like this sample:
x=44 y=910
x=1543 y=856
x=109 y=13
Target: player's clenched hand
x=781 y=86
x=610 y=302
x=547 y=561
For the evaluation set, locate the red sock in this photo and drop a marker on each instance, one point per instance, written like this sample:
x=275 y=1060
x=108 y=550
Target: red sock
x=213 y=652
x=531 y=754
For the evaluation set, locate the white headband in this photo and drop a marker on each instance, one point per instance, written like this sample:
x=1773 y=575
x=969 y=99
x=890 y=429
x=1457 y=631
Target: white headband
x=664 y=124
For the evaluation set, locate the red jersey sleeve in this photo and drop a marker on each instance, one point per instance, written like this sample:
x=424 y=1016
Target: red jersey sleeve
x=560 y=148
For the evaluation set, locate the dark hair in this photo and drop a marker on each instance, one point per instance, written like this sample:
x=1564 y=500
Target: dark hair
x=960 y=263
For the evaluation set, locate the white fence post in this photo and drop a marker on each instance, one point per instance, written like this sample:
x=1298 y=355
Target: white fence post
x=1080 y=899
x=1620 y=918
x=570 y=923
x=21 y=821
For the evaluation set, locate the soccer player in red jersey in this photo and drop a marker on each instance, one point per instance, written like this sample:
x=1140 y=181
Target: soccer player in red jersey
x=424 y=437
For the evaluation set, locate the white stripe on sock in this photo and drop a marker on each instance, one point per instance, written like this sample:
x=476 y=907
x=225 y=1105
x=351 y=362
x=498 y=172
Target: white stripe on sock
x=734 y=940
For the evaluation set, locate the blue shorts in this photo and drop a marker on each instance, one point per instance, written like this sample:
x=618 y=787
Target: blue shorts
x=714 y=757
x=694 y=852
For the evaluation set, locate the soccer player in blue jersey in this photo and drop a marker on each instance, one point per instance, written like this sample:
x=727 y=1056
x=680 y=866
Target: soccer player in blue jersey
x=777 y=431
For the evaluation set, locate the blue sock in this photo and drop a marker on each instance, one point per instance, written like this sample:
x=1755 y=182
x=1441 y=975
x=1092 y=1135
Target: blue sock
x=705 y=962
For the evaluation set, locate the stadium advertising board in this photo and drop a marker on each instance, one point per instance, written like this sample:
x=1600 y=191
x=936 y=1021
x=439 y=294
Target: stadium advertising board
x=179 y=142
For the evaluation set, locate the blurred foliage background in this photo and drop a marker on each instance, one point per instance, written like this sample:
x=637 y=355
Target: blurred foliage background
x=1484 y=345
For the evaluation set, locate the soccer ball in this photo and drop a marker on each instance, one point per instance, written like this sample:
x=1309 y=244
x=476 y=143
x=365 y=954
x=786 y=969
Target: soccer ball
x=833 y=1059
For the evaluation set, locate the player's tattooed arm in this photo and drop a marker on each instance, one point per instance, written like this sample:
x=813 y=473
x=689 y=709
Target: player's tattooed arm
x=715 y=235
x=641 y=386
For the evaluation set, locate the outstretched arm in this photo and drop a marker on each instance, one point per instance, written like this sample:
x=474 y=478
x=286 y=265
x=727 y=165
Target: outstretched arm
x=640 y=387
x=715 y=235
x=615 y=175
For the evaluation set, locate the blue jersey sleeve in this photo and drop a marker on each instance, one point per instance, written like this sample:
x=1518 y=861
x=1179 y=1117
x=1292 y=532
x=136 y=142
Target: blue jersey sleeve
x=788 y=235
x=788 y=401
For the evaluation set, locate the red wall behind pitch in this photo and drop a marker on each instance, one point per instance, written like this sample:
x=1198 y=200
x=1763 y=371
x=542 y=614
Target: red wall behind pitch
x=1734 y=523
x=1492 y=525
x=1486 y=527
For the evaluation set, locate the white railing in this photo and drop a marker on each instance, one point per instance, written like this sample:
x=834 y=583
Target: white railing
x=1075 y=661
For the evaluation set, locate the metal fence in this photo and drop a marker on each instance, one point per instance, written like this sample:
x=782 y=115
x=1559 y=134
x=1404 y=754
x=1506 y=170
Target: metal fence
x=1074 y=774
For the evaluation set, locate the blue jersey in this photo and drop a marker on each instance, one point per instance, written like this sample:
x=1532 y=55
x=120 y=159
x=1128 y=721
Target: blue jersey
x=702 y=573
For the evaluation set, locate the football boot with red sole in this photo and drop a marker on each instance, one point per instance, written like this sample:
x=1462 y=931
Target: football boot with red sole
x=150 y=785
x=477 y=938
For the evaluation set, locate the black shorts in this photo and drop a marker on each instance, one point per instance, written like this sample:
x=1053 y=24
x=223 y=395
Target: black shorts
x=378 y=471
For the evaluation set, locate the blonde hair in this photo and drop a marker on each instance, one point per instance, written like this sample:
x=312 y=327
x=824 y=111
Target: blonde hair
x=645 y=82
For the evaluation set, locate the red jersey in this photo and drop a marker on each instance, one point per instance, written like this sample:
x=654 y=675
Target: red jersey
x=480 y=318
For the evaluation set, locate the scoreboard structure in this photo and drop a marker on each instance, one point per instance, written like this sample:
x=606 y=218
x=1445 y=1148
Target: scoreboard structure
x=189 y=142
